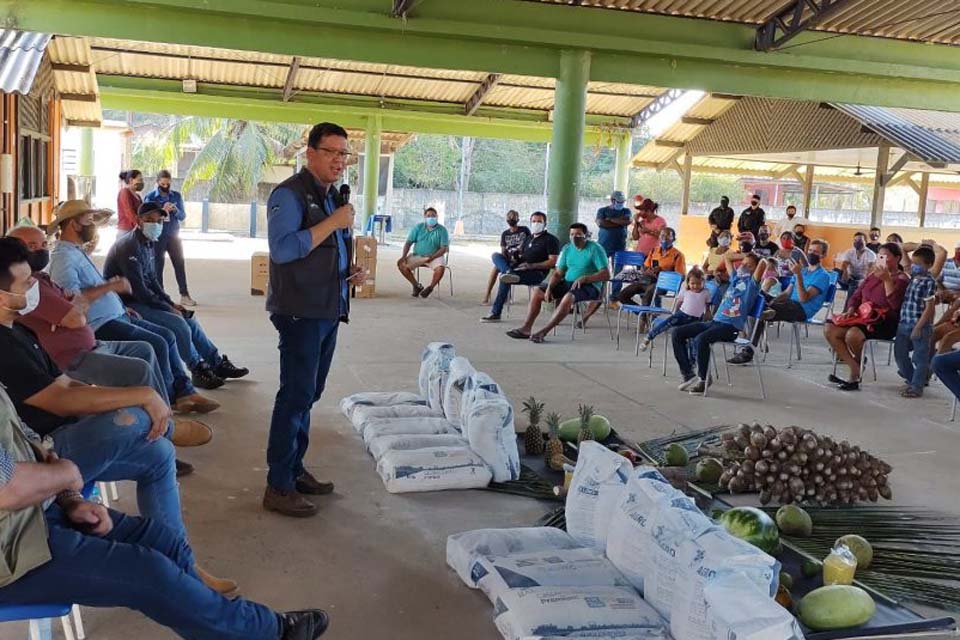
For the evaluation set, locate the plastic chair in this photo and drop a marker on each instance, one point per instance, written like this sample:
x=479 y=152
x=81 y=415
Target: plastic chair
x=868 y=345
x=669 y=282
x=447 y=268
x=758 y=306
x=795 y=335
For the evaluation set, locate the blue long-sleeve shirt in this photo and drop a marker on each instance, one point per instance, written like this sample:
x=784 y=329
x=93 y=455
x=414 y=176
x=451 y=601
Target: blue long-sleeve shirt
x=172 y=225
x=132 y=256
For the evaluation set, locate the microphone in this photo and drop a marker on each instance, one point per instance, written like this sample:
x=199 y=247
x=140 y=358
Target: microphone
x=344 y=194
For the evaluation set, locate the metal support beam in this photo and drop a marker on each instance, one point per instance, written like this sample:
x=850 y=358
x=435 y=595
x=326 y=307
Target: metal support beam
x=922 y=207
x=566 y=146
x=807 y=190
x=401 y=8
x=291 y=78
x=473 y=103
x=795 y=18
x=621 y=177
x=687 y=175
x=879 y=190
x=371 y=168
x=659 y=104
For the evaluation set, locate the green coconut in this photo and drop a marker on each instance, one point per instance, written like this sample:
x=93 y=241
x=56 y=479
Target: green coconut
x=794 y=521
x=709 y=470
x=862 y=549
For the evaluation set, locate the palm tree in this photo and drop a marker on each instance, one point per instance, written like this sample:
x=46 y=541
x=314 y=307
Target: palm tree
x=232 y=156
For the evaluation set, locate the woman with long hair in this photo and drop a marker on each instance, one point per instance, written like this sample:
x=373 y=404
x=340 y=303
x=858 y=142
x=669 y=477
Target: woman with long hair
x=129 y=200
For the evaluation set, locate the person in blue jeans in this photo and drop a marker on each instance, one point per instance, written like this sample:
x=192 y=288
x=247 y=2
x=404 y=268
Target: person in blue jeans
x=729 y=320
x=60 y=547
x=538 y=255
x=311 y=270
x=133 y=257
x=911 y=346
x=690 y=305
x=72 y=269
x=512 y=240
x=947 y=368
x=169 y=242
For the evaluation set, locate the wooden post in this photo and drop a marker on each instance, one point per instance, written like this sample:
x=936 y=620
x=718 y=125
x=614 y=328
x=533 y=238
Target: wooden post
x=922 y=207
x=687 y=171
x=807 y=191
x=879 y=185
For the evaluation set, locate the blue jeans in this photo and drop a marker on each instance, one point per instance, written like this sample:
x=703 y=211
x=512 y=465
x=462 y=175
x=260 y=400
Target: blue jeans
x=192 y=343
x=913 y=368
x=169 y=242
x=529 y=278
x=947 y=368
x=140 y=565
x=702 y=335
x=164 y=344
x=665 y=323
x=306 y=352
x=500 y=262
x=113 y=446
x=120 y=364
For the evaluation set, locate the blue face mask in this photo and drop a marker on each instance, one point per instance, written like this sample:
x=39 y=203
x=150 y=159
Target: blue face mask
x=618 y=206
x=152 y=230
x=665 y=244
x=431 y=221
x=917 y=269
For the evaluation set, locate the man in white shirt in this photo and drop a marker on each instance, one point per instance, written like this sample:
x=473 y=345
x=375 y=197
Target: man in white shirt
x=788 y=223
x=855 y=262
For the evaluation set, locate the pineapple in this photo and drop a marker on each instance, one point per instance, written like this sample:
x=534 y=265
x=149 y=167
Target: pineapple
x=533 y=437
x=586 y=433
x=554 y=449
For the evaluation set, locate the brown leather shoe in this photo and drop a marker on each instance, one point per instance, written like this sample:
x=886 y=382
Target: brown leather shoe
x=195 y=403
x=190 y=433
x=222 y=586
x=288 y=503
x=308 y=485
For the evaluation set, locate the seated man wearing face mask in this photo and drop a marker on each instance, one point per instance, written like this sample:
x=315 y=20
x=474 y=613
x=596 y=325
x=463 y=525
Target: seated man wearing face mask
x=132 y=257
x=765 y=247
x=429 y=241
x=800 y=301
x=581 y=270
x=537 y=256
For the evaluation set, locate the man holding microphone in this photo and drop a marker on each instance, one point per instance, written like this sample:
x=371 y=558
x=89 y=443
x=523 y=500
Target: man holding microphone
x=309 y=226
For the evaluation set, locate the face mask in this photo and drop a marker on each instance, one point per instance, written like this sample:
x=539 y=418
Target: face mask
x=32 y=297
x=537 y=227
x=665 y=245
x=746 y=247
x=724 y=202
x=512 y=222
x=743 y=271
x=87 y=233
x=723 y=241
x=874 y=237
x=578 y=241
x=754 y=204
x=786 y=243
x=39 y=259
x=152 y=230
x=790 y=214
x=163 y=189
x=763 y=236
x=617 y=206
x=138 y=187
x=859 y=244
x=813 y=259
x=431 y=221
x=917 y=269
x=799 y=234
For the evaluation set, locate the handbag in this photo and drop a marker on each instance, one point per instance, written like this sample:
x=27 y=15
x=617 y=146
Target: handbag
x=867 y=315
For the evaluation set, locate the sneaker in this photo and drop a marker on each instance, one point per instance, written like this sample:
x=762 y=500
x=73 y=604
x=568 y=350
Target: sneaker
x=183 y=468
x=699 y=387
x=187 y=301
x=689 y=382
x=288 y=503
x=195 y=403
x=493 y=317
x=227 y=369
x=205 y=378
x=190 y=433
x=304 y=625
x=744 y=357
x=417 y=288
x=644 y=344
x=308 y=485
x=509 y=278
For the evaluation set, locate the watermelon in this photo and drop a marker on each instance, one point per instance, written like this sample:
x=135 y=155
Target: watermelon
x=570 y=429
x=754 y=526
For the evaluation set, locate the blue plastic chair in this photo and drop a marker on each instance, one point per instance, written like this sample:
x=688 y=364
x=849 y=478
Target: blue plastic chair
x=758 y=306
x=669 y=283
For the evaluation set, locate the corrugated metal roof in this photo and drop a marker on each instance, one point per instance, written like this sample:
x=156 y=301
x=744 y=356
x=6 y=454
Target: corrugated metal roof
x=922 y=20
x=80 y=82
x=931 y=136
x=709 y=108
x=21 y=53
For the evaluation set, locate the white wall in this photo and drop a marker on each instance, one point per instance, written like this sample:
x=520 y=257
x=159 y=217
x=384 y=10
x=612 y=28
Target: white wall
x=108 y=145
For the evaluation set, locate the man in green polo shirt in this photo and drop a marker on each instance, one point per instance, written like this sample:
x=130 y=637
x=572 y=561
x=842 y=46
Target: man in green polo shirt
x=430 y=242
x=581 y=271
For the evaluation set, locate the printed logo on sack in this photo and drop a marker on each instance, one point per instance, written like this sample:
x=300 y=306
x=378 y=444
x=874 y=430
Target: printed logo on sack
x=594 y=602
x=477 y=572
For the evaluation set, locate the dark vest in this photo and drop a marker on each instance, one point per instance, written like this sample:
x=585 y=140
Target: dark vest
x=309 y=287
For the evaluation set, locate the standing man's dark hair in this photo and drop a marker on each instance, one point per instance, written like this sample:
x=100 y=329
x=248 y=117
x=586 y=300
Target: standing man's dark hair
x=311 y=258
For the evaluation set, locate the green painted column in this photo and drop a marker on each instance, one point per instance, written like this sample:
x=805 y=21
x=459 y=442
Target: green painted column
x=371 y=168
x=86 y=165
x=621 y=179
x=566 y=144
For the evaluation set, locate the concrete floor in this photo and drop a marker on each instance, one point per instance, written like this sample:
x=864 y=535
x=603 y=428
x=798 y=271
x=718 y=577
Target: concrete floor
x=376 y=561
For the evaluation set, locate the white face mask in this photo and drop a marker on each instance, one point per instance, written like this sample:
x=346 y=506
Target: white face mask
x=32 y=297
x=537 y=227
x=723 y=241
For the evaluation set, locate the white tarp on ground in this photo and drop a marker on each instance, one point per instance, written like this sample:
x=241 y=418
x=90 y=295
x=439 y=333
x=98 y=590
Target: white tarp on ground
x=598 y=483
x=464 y=548
x=433 y=469
x=521 y=613
x=382 y=444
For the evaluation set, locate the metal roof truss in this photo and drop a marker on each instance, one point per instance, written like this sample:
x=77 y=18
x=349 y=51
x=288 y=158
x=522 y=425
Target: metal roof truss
x=796 y=17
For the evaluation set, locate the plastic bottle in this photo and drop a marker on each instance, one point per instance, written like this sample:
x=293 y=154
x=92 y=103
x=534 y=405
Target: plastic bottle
x=840 y=566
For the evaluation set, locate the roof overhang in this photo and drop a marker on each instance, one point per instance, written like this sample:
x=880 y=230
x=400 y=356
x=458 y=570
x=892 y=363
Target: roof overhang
x=21 y=53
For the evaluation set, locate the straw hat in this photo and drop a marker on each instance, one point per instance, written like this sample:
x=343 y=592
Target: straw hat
x=73 y=208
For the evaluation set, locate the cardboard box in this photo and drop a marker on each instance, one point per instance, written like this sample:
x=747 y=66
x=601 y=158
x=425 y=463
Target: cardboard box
x=259 y=273
x=365 y=255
